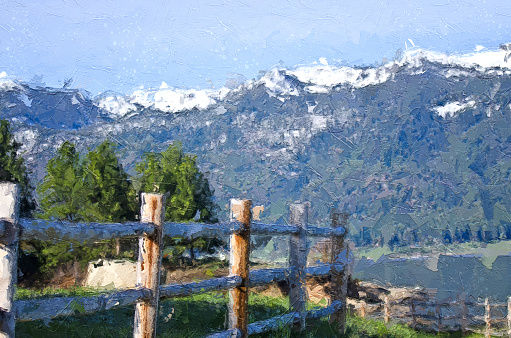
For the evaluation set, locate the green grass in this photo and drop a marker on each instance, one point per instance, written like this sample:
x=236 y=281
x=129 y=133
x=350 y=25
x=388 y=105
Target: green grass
x=77 y=291
x=200 y=315
x=488 y=251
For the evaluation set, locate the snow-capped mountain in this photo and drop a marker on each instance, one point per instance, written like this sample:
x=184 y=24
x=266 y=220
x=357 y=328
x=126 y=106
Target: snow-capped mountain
x=422 y=142
x=47 y=107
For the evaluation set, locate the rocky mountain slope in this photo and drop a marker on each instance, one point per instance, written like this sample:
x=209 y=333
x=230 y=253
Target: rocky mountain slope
x=409 y=148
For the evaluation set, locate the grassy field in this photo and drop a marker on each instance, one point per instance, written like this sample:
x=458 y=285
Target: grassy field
x=196 y=316
x=487 y=252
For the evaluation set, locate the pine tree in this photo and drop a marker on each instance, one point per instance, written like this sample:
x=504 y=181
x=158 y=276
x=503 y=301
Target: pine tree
x=12 y=166
x=93 y=190
x=109 y=195
x=189 y=194
x=61 y=190
x=177 y=174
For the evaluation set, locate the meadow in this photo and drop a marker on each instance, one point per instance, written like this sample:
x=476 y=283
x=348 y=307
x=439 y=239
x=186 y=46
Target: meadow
x=199 y=316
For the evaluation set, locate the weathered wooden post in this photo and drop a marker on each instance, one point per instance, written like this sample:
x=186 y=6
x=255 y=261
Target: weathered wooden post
x=509 y=316
x=241 y=210
x=412 y=312
x=9 y=232
x=438 y=312
x=487 y=318
x=464 y=312
x=341 y=257
x=297 y=262
x=386 y=310
x=152 y=210
x=363 y=309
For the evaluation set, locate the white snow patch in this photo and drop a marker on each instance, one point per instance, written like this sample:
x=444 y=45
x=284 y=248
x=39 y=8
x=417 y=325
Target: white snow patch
x=277 y=85
x=319 y=122
x=74 y=100
x=481 y=59
x=317 y=89
x=323 y=76
x=27 y=138
x=220 y=110
x=453 y=108
x=25 y=99
x=173 y=100
x=311 y=107
x=7 y=84
x=116 y=106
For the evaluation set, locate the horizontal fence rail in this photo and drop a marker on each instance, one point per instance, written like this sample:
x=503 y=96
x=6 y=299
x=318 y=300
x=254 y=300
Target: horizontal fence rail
x=148 y=292
x=279 y=322
x=438 y=316
x=59 y=230
x=40 y=308
x=35 y=309
x=82 y=232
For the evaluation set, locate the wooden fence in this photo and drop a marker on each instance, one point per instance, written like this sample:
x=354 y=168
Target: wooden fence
x=488 y=318
x=151 y=229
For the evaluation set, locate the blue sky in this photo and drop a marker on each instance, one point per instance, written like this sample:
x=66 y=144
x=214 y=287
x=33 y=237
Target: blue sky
x=121 y=45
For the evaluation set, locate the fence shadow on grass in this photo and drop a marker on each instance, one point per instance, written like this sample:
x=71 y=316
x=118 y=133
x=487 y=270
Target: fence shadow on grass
x=195 y=316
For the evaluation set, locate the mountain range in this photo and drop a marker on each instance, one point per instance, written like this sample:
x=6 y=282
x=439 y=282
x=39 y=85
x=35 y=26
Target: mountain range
x=411 y=148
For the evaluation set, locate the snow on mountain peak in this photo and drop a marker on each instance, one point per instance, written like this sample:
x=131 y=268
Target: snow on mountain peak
x=482 y=59
x=7 y=84
x=116 y=106
x=164 y=98
x=276 y=84
x=325 y=75
x=172 y=100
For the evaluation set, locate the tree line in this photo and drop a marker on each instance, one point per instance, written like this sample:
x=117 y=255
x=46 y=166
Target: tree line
x=95 y=188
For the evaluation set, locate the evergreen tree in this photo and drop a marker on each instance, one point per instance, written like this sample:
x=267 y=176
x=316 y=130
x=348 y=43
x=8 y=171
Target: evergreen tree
x=177 y=174
x=109 y=195
x=94 y=190
x=12 y=167
x=61 y=190
x=189 y=194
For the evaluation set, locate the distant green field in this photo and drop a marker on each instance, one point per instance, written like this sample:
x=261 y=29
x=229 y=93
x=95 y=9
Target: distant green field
x=488 y=252
x=198 y=316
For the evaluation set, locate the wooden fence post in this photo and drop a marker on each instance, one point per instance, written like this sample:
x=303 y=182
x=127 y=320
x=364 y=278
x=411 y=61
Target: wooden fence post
x=297 y=262
x=487 y=318
x=9 y=235
x=438 y=311
x=464 y=312
x=339 y=282
x=241 y=210
x=386 y=310
x=509 y=316
x=149 y=263
x=363 y=309
x=412 y=312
